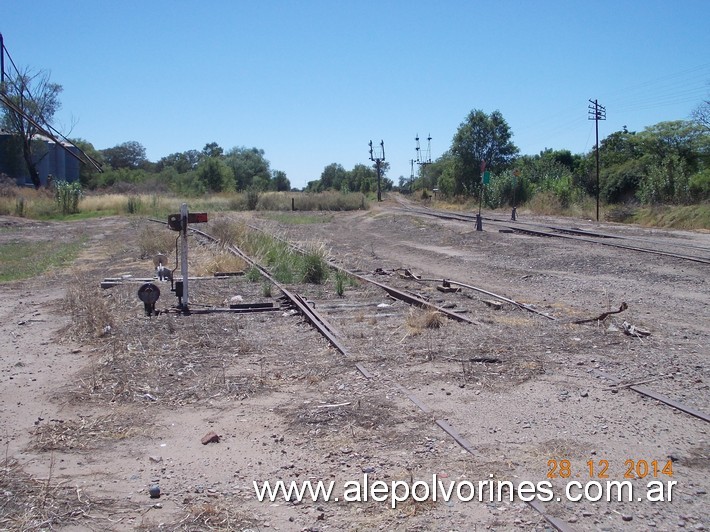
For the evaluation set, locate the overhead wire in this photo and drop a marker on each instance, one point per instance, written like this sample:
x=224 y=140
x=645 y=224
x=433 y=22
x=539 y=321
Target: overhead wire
x=48 y=129
x=676 y=88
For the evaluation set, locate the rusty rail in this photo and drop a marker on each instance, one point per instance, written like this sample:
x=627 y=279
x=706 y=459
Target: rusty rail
x=643 y=390
x=572 y=234
x=327 y=330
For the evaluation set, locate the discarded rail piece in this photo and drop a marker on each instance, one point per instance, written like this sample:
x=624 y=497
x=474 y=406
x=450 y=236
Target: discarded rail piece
x=643 y=390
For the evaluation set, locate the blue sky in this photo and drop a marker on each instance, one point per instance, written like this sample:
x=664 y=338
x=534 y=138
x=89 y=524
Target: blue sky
x=312 y=82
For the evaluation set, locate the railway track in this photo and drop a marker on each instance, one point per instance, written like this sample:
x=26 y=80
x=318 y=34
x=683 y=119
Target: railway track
x=326 y=329
x=641 y=245
x=330 y=332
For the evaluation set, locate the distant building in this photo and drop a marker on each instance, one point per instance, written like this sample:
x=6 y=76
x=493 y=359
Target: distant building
x=51 y=158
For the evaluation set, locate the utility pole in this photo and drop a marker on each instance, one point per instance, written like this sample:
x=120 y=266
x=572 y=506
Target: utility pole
x=2 y=61
x=597 y=112
x=378 y=159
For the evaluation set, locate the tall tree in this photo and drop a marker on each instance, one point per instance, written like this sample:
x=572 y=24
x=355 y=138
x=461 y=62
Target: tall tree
x=280 y=182
x=129 y=155
x=212 y=150
x=35 y=100
x=481 y=137
x=701 y=115
x=249 y=167
x=182 y=161
x=215 y=175
x=333 y=177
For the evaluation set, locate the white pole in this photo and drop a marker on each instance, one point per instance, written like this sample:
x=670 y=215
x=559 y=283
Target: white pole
x=183 y=255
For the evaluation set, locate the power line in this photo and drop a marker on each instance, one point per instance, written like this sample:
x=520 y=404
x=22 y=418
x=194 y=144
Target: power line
x=597 y=112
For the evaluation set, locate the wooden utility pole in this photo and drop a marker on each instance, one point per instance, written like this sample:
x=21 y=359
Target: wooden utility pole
x=597 y=113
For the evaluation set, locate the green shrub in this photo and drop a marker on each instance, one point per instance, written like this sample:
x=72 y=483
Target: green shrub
x=134 y=204
x=252 y=196
x=20 y=206
x=315 y=265
x=507 y=190
x=700 y=186
x=253 y=274
x=67 y=196
x=340 y=278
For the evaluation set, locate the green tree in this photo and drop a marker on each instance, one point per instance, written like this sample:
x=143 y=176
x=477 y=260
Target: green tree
x=701 y=115
x=182 y=162
x=332 y=177
x=129 y=155
x=88 y=174
x=34 y=101
x=439 y=174
x=480 y=137
x=621 y=156
x=684 y=139
x=248 y=165
x=215 y=174
x=212 y=150
x=279 y=181
x=362 y=178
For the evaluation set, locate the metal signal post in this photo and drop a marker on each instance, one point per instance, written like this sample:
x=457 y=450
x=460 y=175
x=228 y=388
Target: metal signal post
x=597 y=112
x=378 y=159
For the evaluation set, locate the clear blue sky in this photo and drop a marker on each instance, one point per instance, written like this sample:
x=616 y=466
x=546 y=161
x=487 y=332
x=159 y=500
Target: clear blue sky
x=312 y=82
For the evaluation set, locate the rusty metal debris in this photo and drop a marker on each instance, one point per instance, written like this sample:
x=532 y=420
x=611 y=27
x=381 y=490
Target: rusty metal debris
x=604 y=315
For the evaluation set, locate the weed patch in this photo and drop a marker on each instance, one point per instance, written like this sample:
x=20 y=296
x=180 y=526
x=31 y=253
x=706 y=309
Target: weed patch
x=24 y=261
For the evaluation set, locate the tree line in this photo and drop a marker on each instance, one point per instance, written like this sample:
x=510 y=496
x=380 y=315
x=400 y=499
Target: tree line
x=192 y=172
x=668 y=162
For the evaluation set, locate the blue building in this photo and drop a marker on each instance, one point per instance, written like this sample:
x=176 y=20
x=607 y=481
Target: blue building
x=51 y=158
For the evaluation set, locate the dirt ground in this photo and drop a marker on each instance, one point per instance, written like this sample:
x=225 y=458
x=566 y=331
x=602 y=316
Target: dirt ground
x=98 y=402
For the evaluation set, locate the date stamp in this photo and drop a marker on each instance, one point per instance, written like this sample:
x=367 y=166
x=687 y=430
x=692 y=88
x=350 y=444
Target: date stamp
x=595 y=484
x=602 y=469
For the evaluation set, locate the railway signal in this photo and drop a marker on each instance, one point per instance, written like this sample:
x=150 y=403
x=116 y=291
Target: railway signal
x=424 y=159
x=516 y=175
x=378 y=159
x=485 y=178
x=178 y=222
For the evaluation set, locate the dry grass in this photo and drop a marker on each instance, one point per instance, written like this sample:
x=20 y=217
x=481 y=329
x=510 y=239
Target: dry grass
x=420 y=320
x=212 y=516
x=166 y=358
x=89 y=309
x=86 y=433
x=228 y=232
x=345 y=414
x=220 y=262
x=43 y=504
x=154 y=239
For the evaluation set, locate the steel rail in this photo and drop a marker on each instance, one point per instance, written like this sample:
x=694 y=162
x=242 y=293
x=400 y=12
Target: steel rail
x=318 y=321
x=639 y=389
x=643 y=390
x=493 y=294
x=326 y=329
x=396 y=293
x=534 y=232
x=517 y=228
x=322 y=325
x=411 y=299
x=571 y=230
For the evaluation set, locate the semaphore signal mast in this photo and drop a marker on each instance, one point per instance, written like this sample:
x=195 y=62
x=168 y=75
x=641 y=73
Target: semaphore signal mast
x=423 y=159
